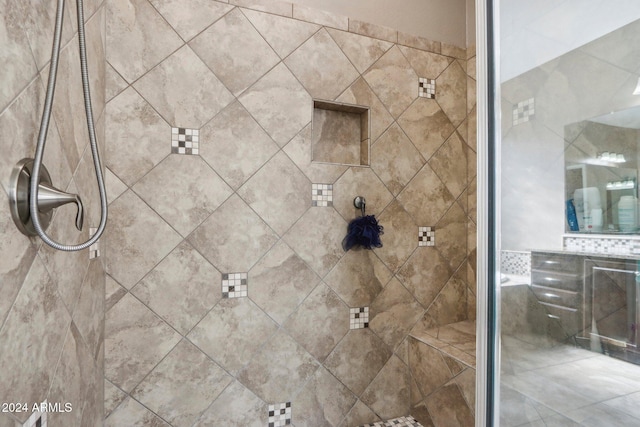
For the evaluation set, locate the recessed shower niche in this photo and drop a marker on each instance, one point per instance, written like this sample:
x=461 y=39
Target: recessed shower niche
x=340 y=133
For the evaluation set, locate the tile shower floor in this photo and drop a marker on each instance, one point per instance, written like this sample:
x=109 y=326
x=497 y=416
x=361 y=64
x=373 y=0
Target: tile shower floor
x=566 y=386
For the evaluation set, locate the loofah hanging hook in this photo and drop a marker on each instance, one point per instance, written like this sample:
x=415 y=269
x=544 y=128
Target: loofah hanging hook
x=360 y=203
x=363 y=231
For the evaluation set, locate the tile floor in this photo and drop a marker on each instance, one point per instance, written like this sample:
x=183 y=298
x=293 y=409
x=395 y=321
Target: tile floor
x=566 y=386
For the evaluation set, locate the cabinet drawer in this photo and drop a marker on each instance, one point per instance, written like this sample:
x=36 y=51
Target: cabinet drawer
x=570 y=319
x=558 y=297
x=555 y=262
x=568 y=282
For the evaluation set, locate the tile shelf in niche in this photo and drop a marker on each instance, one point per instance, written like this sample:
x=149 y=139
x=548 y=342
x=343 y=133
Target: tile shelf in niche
x=340 y=133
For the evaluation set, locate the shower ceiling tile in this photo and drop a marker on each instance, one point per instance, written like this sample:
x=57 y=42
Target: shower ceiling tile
x=322 y=67
x=182 y=386
x=392 y=78
x=320 y=322
x=281 y=265
x=235 y=146
x=394 y=159
x=450 y=164
x=235 y=407
x=363 y=182
x=426 y=198
x=183 y=190
x=181 y=288
x=278 y=192
x=283 y=34
x=232 y=332
x=393 y=313
x=299 y=150
x=394 y=376
x=398 y=240
x=362 y=51
x=180 y=14
x=317 y=238
x=183 y=90
x=141 y=236
x=360 y=93
x=452 y=93
x=358 y=359
x=233 y=238
x=135 y=133
x=425 y=283
x=235 y=51
x=426 y=64
x=279 y=103
x=323 y=401
x=280 y=368
x=131 y=413
x=135 y=341
x=426 y=125
x=358 y=277
x=140 y=36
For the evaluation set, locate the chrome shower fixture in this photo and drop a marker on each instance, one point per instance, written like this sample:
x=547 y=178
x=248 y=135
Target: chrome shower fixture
x=49 y=198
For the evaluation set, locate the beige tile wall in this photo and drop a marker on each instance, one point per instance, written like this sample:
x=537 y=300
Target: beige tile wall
x=177 y=351
x=51 y=303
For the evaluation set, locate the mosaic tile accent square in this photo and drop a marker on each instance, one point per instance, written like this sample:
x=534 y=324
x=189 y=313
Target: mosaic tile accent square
x=280 y=414
x=185 y=141
x=426 y=236
x=426 y=88
x=523 y=111
x=359 y=318
x=515 y=262
x=322 y=195
x=235 y=285
x=94 y=250
x=397 y=422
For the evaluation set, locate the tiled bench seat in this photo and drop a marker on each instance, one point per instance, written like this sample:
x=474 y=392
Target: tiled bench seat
x=442 y=364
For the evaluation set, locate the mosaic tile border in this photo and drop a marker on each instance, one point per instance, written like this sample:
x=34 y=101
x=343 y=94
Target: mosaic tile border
x=359 y=318
x=397 y=422
x=94 y=250
x=185 y=141
x=515 y=262
x=426 y=88
x=602 y=245
x=322 y=195
x=235 y=285
x=523 y=111
x=280 y=414
x=426 y=236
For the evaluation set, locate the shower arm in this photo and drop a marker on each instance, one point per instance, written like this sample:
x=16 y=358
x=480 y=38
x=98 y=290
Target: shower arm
x=44 y=197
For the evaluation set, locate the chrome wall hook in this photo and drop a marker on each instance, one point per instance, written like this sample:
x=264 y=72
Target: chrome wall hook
x=49 y=198
x=360 y=203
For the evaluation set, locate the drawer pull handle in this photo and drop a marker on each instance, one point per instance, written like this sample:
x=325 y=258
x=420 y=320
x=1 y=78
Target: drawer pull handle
x=550 y=295
x=553 y=316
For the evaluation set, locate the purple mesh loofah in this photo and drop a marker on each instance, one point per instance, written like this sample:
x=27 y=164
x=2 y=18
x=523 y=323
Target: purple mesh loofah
x=363 y=231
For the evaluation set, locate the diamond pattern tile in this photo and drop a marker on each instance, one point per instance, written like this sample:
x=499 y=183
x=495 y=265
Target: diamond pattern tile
x=425 y=283
x=360 y=181
x=315 y=226
x=452 y=93
x=322 y=67
x=141 y=235
x=450 y=164
x=237 y=406
x=426 y=198
x=143 y=38
x=362 y=51
x=394 y=159
x=398 y=240
x=183 y=90
x=233 y=238
x=323 y=400
x=235 y=51
x=183 y=190
x=284 y=35
x=426 y=64
x=426 y=125
x=188 y=24
x=235 y=145
x=279 y=103
x=392 y=78
x=278 y=192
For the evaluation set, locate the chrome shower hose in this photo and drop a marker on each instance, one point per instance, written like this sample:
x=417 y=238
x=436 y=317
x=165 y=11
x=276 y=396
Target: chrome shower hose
x=44 y=126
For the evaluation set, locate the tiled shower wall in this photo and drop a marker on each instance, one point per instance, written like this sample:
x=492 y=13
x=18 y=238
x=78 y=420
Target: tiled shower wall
x=229 y=294
x=52 y=303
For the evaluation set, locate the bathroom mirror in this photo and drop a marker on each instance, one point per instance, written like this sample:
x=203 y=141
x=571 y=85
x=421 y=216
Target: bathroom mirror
x=601 y=173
